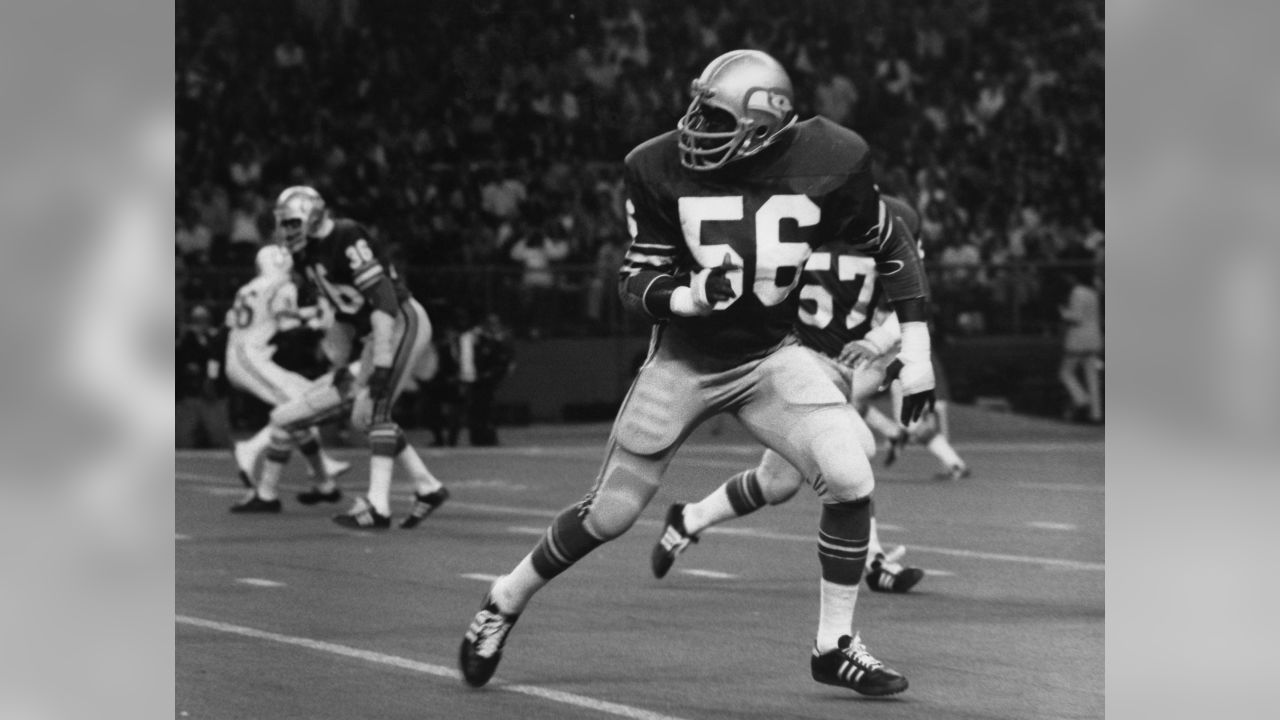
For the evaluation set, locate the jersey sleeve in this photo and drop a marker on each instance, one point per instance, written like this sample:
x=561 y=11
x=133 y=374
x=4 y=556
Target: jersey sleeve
x=648 y=273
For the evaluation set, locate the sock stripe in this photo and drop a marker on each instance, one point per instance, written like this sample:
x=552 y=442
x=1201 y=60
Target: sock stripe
x=843 y=543
x=745 y=495
x=566 y=542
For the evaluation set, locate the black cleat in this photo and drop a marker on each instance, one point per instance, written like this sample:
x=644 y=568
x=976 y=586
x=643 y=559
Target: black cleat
x=314 y=496
x=896 y=446
x=424 y=505
x=255 y=504
x=362 y=516
x=481 y=647
x=674 y=540
x=886 y=575
x=851 y=666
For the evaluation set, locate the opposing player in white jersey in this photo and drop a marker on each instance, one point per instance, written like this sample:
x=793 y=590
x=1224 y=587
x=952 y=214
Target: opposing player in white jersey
x=840 y=308
x=265 y=306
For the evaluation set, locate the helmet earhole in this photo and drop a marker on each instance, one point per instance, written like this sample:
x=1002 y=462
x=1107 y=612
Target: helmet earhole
x=761 y=131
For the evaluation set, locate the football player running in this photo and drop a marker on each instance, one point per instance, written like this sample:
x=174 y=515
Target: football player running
x=350 y=270
x=723 y=213
x=265 y=306
x=839 y=303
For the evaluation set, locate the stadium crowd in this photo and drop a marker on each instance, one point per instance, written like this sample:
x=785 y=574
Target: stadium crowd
x=503 y=150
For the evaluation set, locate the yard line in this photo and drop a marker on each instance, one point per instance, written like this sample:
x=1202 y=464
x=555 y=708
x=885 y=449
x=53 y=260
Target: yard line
x=742 y=532
x=713 y=574
x=259 y=582
x=1063 y=487
x=1047 y=525
x=564 y=698
x=479 y=576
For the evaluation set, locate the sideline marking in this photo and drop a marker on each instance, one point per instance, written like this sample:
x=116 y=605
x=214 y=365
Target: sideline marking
x=713 y=574
x=1047 y=525
x=582 y=701
x=742 y=532
x=259 y=582
x=479 y=576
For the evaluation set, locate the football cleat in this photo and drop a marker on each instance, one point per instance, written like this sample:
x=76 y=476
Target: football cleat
x=896 y=446
x=424 y=505
x=245 y=461
x=886 y=575
x=334 y=467
x=674 y=540
x=955 y=472
x=314 y=495
x=255 y=504
x=362 y=516
x=851 y=666
x=481 y=647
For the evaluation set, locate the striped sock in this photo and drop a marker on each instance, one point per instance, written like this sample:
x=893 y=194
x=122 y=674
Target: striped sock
x=566 y=542
x=744 y=493
x=843 y=535
x=277 y=455
x=384 y=440
x=737 y=496
x=309 y=445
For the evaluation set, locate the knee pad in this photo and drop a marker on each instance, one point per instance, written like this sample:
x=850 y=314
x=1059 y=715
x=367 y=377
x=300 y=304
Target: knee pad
x=320 y=402
x=658 y=411
x=616 y=503
x=843 y=468
x=779 y=480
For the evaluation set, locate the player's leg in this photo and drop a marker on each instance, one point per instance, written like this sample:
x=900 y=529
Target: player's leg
x=388 y=445
x=1068 y=373
x=797 y=410
x=772 y=482
x=884 y=572
x=429 y=493
x=290 y=424
x=1093 y=384
x=664 y=404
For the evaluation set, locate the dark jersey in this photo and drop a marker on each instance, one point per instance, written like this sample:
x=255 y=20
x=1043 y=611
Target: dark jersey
x=351 y=270
x=764 y=215
x=839 y=290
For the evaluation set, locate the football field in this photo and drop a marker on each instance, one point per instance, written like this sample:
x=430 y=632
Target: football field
x=291 y=616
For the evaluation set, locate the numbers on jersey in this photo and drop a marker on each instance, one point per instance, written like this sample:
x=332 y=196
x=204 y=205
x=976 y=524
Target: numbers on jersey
x=359 y=254
x=772 y=255
x=345 y=298
x=242 y=310
x=856 y=270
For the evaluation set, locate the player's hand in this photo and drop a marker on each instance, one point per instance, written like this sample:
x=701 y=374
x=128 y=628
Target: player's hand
x=362 y=411
x=342 y=379
x=917 y=390
x=711 y=286
x=858 y=353
x=380 y=383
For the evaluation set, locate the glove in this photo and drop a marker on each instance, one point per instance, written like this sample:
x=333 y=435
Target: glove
x=380 y=383
x=707 y=287
x=917 y=372
x=342 y=379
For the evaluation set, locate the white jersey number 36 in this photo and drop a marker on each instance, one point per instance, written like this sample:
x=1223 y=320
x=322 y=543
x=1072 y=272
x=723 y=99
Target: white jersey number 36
x=772 y=254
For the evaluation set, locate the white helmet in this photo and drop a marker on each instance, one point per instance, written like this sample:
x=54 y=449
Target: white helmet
x=299 y=212
x=742 y=103
x=274 y=261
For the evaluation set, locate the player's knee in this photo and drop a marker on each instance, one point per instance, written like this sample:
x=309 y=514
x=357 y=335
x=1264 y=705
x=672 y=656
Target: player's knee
x=779 y=482
x=619 y=501
x=844 y=475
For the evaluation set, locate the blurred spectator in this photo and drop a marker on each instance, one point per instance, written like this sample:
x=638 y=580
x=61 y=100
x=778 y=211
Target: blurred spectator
x=201 y=416
x=486 y=356
x=1082 y=347
x=535 y=252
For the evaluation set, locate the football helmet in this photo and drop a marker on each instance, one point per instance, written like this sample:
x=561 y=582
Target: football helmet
x=274 y=261
x=742 y=103
x=299 y=212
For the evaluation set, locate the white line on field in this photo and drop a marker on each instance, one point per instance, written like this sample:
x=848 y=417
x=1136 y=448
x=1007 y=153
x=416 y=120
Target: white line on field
x=526 y=530
x=1062 y=487
x=741 y=532
x=1048 y=525
x=930 y=572
x=713 y=574
x=564 y=698
x=480 y=576
x=180 y=536
x=259 y=582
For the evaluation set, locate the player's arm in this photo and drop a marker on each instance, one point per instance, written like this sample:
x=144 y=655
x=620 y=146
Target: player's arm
x=650 y=281
x=283 y=306
x=372 y=281
x=901 y=272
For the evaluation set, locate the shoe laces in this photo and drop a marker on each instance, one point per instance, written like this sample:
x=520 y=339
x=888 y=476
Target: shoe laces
x=491 y=630
x=857 y=652
x=674 y=541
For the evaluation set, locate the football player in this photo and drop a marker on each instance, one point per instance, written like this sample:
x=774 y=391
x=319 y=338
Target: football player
x=265 y=306
x=839 y=301
x=369 y=299
x=723 y=212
